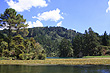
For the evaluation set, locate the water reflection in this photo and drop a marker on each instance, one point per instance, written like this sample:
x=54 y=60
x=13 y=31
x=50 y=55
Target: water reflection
x=53 y=69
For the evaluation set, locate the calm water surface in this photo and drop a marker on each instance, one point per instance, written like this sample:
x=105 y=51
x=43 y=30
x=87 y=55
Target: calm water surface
x=53 y=69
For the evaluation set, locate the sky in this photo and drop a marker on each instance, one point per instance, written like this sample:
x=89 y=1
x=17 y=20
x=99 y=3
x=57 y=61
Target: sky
x=77 y=15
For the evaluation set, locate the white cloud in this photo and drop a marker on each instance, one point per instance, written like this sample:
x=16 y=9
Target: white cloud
x=22 y=5
x=53 y=15
x=74 y=29
x=49 y=1
x=62 y=13
x=59 y=24
x=108 y=9
x=34 y=24
x=34 y=17
x=1 y=28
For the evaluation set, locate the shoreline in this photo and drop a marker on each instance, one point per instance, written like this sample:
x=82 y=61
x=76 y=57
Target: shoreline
x=59 y=62
x=55 y=65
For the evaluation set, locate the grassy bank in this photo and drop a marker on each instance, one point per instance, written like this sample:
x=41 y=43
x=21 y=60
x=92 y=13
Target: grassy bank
x=88 y=61
x=96 y=57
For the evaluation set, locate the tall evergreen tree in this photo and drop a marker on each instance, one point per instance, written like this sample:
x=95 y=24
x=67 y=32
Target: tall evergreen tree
x=86 y=42
x=78 y=42
x=12 y=21
x=91 y=42
x=105 y=39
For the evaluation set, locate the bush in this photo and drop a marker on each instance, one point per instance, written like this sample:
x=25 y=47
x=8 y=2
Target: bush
x=5 y=58
x=6 y=53
x=0 y=54
x=14 y=58
x=41 y=56
x=107 y=52
x=21 y=56
x=12 y=53
x=31 y=56
x=28 y=56
x=18 y=51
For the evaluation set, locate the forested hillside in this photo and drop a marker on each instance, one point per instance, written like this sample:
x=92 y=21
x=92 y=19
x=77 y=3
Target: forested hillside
x=50 y=37
x=89 y=43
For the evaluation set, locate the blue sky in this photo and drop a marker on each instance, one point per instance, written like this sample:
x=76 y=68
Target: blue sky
x=71 y=14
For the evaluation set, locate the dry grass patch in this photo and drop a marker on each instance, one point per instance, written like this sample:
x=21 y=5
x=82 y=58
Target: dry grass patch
x=89 y=61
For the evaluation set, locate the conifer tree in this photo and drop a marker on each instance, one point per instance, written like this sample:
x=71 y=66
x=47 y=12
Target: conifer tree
x=13 y=22
x=91 y=42
x=105 y=38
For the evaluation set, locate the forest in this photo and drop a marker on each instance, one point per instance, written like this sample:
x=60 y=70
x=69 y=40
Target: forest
x=19 y=42
x=62 y=42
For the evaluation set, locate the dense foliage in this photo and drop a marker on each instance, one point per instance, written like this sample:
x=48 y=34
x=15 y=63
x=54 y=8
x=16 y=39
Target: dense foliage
x=88 y=44
x=50 y=38
x=65 y=48
x=12 y=44
x=91 y=44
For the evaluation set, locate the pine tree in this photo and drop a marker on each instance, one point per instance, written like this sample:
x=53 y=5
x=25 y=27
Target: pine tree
x=13 y=22
x=105 y=39
x=78 y=46
x=91 y=42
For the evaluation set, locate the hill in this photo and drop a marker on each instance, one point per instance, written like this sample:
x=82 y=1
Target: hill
x=50 y=37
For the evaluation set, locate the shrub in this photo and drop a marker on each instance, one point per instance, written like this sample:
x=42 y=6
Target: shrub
x=6 y=53
x=21 y=56
x=41 y=56
x=18 y=51
x=5 y=58
x=12 y=53
x=28 y=56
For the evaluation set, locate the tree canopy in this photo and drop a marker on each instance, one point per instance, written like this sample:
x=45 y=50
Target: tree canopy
x=12 y=44
x=65 y=49
x=13 y=22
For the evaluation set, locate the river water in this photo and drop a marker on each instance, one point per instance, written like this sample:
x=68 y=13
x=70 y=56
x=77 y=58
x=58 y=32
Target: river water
x=54 y=69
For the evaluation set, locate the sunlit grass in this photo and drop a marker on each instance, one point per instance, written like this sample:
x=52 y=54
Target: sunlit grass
x=96 y=57
x=89 y=61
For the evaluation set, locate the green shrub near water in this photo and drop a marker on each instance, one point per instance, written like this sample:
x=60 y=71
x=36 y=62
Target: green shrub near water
x=6 y=53
x=5 y=58
x=41 y=57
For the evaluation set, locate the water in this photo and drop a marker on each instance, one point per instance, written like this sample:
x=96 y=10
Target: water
x=53 y=69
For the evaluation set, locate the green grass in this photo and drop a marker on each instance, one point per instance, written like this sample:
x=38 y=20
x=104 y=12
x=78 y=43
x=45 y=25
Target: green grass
x=96 y=57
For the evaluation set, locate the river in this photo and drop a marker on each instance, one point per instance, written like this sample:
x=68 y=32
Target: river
x=54 y=69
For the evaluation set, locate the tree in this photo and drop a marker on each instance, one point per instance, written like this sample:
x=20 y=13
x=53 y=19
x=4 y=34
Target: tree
x=39 y=52
x=28 y=46
x=78 y=45
x=105 y=39
x=3 y=46
x=91 y=42
x=65 y=48
x=13 y=22
x=86 y=42
x=18 y=39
